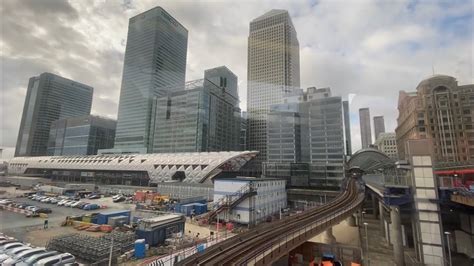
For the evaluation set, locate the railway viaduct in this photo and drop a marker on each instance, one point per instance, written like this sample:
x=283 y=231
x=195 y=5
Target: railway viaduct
x=267 y=243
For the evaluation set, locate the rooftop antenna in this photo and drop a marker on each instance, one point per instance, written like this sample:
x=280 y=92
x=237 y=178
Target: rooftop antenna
x=432 y=68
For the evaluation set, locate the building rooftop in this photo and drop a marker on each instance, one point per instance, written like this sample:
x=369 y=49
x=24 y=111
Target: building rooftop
x=270 y=14
x=249 y=178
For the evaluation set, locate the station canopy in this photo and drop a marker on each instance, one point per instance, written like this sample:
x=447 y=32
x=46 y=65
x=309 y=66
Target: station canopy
x=370 y=160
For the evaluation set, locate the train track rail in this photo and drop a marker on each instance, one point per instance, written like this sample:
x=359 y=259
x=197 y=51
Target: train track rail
x=244 y=248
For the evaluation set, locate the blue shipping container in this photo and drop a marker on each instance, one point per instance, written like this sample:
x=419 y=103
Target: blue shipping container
x=103 y=218
x=200 y=208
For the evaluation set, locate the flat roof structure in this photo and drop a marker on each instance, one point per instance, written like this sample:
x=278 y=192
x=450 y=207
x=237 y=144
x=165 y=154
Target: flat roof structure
x=198 y=167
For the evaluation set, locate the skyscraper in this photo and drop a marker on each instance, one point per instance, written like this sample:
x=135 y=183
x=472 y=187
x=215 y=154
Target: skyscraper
x=347 y=128
x=273 y=70
x=365 y=131
x=379 y=126
x=49 y=97
x=155 y=58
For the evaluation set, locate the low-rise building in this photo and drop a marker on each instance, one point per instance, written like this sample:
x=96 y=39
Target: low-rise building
x=268 y=198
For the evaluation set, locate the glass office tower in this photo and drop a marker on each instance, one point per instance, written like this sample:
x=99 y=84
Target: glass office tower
x=155 y=58
x=83 y=135
x=203 y=117
x=49 y=97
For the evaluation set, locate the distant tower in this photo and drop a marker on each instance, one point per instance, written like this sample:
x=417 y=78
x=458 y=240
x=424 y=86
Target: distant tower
x=155 y=58
x=273 y=70
x=365 y=131
x=347 y=127
x=379 y=126
x=49 y=97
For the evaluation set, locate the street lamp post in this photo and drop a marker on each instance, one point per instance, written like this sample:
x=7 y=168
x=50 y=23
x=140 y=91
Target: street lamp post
x=449 y=248
x=362 y=217
x=367 y=243
x=111 y=248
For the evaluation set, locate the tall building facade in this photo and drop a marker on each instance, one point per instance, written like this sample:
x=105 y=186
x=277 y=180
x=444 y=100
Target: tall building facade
x=202 y=117
x=347 y=127
x=306 y=135
x=155 y=59
x=379 y=126
x=273 y=70
x=49 y=97
x=243 y=131
x=83 y=135
x=365 y=130
x=387 y=143
x=440 y=110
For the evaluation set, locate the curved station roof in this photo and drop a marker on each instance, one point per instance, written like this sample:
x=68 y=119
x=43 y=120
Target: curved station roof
x=198 y=167
x=370 y=159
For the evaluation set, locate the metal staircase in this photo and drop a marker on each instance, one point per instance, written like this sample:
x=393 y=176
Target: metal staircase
x=229 y=202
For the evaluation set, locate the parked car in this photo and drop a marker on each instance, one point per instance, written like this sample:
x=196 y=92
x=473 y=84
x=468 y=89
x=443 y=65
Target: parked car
x=23 y=205
x=12 y=252
x=6 y=241
x=46 y=200
x=31 y=260
x=117 y=196
x=69 y=203
x=82 y=204
x=43 y=210
x=9 y=246
x=91 y=206
x=60 y=259
x=119 y=199
x=53 y=200
x=31 y=208
x=5 y=201
x=75 y=204
x=94 y=196
x=23 y=255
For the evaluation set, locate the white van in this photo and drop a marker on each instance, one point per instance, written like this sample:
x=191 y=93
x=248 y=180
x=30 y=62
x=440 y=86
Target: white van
x=60 y=259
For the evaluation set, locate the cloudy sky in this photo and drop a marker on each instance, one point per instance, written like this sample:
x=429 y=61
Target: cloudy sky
x=371 y=49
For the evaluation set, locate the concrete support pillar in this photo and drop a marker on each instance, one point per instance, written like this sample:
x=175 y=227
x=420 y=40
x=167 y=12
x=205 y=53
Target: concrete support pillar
x=396 y=238
x=328 y=237
x=382 y=219
x=375 y=208
x=351 y=221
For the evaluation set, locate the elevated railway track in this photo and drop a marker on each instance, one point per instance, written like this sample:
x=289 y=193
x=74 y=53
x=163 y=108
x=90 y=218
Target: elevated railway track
x=268 y=242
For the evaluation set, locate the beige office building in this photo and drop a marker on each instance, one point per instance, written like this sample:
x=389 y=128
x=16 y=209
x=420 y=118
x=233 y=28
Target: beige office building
x=273 y=70
x=387 y=143
x=441 y=110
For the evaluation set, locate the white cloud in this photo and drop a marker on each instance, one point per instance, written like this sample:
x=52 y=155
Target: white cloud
x=369 y=48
